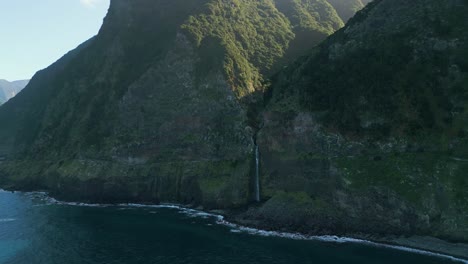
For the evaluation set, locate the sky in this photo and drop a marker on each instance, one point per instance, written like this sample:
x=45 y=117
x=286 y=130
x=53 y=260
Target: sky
x=36 y=33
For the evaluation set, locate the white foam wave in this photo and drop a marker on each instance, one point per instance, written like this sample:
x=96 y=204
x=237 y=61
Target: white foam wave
x=335 y=239
x=235 y=228
x=44 y=197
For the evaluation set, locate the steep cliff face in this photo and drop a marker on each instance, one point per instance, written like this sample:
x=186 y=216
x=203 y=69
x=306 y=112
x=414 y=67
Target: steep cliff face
x=155 y=107
x=368 y=133
x=127 y=117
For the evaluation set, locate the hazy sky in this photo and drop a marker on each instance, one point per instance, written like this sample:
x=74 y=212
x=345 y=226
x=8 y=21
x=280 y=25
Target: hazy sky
x=35 y=33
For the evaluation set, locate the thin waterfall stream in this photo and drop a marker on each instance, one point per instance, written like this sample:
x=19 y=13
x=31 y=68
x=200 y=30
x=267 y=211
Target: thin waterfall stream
x=257 y=174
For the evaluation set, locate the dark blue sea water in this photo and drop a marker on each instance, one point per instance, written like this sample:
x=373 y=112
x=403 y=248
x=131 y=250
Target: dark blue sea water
x=35 y=229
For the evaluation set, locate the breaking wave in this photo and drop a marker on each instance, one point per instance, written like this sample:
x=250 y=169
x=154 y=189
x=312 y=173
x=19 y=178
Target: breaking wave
x=235 y=228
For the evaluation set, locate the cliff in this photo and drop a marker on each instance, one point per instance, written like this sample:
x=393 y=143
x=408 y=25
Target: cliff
x=157 y=106
x=367 y=134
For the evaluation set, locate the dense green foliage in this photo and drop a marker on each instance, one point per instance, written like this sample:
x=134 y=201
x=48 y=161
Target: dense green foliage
x=156 y=100
x=346 y=8
x=158 y=108
x=409 y=80
x=373 y=122
x=253 y=35
x=73 y=106
x=316 y=15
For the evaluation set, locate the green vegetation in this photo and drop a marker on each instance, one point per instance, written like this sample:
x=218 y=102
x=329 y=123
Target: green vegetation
x=346 y=8
x=253 y=34
x=164 y=89
x=355 y=137
x=297 y=203
x=414 y=176
x=74 y=108
x=253 y=37
x=315 y=15
x=404 y=82
x=380 y=108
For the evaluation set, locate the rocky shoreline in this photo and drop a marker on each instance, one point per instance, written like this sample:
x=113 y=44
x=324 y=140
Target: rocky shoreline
x=420 y=244
x=427 y=243
x=457 y=252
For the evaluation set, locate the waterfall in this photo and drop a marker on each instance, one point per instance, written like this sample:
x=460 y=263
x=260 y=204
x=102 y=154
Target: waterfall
x=257 y=176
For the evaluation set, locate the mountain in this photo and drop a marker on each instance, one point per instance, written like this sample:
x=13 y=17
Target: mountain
x=158 y=106
x=347 y=8
x=368 y=132
x=9 y=90
x=362 y=134
x=3 y=98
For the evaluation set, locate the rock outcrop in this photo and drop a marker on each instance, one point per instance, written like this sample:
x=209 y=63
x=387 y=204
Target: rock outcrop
x=368 y=133
x=365 y=134
x=156 y=107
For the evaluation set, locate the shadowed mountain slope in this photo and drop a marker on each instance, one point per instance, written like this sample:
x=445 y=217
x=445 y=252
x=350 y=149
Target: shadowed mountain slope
x=155 y=107
x=370 y=129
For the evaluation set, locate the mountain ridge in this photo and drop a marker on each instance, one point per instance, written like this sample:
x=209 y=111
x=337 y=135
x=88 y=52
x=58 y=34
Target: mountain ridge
x=9 y=90
x=139 y=114
x=369 y=125
x=150 y=92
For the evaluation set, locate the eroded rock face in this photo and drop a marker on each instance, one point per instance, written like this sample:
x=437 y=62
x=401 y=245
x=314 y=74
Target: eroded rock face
x=158 y=108
x=132 y=118
x=334 y=145
x=177 y=116
x=155 y=107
